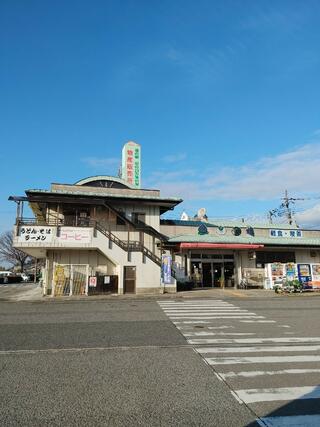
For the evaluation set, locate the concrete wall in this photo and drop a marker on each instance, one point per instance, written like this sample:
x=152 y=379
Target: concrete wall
x=174 y=230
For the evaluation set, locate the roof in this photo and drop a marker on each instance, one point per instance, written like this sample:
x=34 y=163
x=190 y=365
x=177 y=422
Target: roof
x=90 y=179
x=270 y=241
x=226 y=223
x=102 y=195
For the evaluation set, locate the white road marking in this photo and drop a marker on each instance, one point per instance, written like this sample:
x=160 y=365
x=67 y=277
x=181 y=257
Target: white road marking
x=220 y=327
x=290 y=421
x=195 y=301
x=188 y=322
x=200 y=312
x=224 y=316
x=277 y=394
x=198 y=306
x=253 y=374
x=262 y=359
x=258 y=321
x=188 y=327
x=210 y=313
x=254 y=340
x=204 y=333
x=281 y=349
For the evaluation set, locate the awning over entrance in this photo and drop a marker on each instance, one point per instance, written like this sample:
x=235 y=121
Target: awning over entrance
x=219 y=246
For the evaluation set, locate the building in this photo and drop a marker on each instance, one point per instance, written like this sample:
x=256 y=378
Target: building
x=98 y=235
x=221 y=254
x=105 y=234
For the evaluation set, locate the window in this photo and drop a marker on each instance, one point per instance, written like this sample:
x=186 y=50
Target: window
x=268 y=257
x=138 y=217
x=120 y=221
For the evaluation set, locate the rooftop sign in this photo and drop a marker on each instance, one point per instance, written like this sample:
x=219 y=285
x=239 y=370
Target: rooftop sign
x=285 y=233
x=131 y=164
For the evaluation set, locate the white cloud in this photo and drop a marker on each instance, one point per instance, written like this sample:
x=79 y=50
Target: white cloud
x=297 y=170
x=309 y=217
x=173 y=158
x=100 y=162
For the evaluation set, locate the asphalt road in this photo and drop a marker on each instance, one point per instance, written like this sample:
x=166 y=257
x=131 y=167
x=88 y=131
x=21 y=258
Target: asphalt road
x=120 y=363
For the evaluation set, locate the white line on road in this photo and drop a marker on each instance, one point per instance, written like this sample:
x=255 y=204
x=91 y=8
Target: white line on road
x=210 y=313
x=261 y=359
x=204 y=333
x=201 y=310
x=255 y=340
x=258 y=321
x=281 y=349
x=253 y=374
x=221 y=327
x=277 y=394
x=190 y=322
x=188 y=327
x=224 y=316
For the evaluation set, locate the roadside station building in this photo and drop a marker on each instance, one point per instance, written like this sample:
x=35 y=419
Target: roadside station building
x=221 y=254
x=106 y=234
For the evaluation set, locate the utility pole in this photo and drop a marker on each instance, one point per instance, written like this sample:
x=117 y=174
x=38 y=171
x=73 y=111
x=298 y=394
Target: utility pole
x=286 y=205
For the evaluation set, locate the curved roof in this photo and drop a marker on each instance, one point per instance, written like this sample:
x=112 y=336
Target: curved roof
x=104 y=181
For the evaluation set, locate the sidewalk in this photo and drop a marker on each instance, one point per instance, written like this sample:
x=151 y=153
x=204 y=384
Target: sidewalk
x=33 y=292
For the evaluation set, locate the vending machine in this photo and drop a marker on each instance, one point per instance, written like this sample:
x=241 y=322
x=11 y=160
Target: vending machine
x=304 y=275
x=291 y=271
x=315 y=274
x=275 y=273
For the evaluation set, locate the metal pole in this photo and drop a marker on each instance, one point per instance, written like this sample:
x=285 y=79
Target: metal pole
x=35 y=270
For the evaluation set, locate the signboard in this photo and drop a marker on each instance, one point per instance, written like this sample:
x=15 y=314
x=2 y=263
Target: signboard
x=92 y=282
x=35 y=234
x=285 y=233
x=75 y=234
x=166 y=268
x=131 y=164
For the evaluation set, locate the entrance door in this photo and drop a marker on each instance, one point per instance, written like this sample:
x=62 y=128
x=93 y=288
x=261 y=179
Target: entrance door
x=207 y=274
x=217 y=270
x=129 y=280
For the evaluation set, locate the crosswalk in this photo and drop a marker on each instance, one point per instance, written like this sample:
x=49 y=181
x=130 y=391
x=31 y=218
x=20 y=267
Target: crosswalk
x=276 y=375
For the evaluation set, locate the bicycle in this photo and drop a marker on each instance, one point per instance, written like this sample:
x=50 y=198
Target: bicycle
x=243 y=284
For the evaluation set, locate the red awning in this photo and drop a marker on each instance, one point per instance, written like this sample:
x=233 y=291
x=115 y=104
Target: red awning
x=219 y=246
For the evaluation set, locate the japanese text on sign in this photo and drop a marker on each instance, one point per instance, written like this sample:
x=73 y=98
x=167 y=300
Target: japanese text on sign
x=35 y=234
x=285 y=233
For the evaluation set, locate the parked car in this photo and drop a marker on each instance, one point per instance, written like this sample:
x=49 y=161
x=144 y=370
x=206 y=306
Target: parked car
x=9 y=277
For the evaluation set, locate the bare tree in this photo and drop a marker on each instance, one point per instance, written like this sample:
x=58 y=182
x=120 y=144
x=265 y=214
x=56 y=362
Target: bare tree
x=10 y=254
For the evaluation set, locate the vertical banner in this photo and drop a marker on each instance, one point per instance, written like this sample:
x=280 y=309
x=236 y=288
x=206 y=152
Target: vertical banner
x=166 y=269
x=131 y=164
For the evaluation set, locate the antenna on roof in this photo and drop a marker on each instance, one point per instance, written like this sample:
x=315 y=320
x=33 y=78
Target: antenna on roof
x=184 y=216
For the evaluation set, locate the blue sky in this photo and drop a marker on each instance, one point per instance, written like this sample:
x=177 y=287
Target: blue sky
x=223 y=97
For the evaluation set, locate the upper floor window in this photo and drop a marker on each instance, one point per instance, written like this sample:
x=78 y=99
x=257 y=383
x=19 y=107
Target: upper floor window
x=138 y=217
